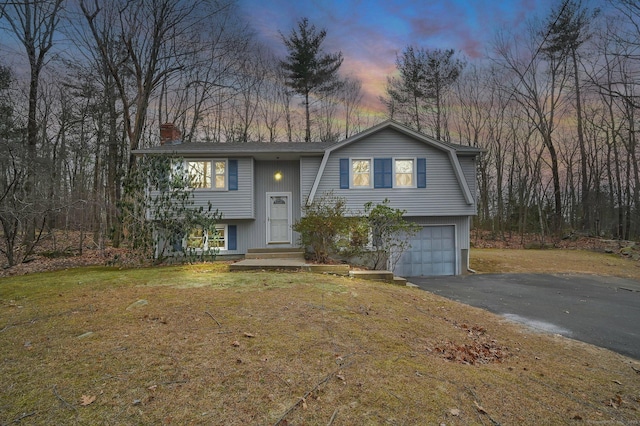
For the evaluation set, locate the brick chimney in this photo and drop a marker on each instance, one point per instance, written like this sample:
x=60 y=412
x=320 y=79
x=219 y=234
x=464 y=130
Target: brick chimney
x=169 y=134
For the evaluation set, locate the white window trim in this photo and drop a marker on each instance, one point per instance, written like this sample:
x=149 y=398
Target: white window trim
x=225 y=229
x=211 y=162
x=351 y=174
x=205 y=246
x=415 y=172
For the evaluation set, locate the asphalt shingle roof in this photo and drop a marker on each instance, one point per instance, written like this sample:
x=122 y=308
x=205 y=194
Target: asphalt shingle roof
x=236 y=148
x=291 y=148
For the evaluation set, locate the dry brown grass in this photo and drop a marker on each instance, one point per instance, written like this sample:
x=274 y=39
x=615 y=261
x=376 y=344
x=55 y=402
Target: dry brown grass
x=213 y=347
x=553 y=261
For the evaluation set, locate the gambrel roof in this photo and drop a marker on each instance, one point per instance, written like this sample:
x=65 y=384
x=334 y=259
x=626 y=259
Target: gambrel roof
x=452 y=151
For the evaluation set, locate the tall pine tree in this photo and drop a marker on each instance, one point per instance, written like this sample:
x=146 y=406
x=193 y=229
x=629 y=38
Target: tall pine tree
x=308 y=69
x=424 y=76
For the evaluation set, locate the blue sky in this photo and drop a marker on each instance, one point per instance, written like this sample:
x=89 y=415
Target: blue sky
x=370 y=33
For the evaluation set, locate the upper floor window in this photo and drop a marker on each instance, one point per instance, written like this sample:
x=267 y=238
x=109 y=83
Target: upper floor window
x=220 y=174
x=361 y=173
x=383 y=173
x=404 y=172
x=207 y=174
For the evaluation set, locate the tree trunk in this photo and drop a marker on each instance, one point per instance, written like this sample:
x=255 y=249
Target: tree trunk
x=32 y=141
x=585 y=195
x=307 y=134
x=557 y=194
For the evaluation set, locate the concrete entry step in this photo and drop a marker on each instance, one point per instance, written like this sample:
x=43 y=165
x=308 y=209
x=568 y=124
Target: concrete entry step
x=275 y=253
x=275 y=250
x=400 y=281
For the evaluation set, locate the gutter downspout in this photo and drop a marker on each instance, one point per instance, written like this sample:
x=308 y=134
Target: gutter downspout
x=468 y=258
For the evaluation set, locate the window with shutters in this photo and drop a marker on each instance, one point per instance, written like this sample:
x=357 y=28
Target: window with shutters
x=220 y=173
x=361 y=173
x=379 y=173
x=204 y=239
x=215 y=174
x=199 y=174
x=404 y=173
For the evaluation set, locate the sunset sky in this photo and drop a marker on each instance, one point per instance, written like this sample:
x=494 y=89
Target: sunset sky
x=370 y=33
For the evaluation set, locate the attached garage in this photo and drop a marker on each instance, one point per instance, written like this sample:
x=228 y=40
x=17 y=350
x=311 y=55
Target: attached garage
x=432 y=252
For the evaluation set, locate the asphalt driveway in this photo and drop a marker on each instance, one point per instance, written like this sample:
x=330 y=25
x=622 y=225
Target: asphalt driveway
x=603 y=311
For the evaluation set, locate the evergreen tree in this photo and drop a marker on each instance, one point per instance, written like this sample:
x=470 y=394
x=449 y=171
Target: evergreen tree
x=308 y=69
x=424 y=78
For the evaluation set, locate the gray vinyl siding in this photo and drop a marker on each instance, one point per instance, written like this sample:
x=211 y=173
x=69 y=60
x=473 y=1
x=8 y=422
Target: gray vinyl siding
x=242 y=236
x=443 y=195
x=468 y=165
x=308 y=170
x=232 y=204
x=255 y=233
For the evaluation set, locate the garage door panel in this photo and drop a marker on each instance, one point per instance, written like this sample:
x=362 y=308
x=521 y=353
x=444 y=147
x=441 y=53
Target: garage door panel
x=448 y=256
x=432 y=252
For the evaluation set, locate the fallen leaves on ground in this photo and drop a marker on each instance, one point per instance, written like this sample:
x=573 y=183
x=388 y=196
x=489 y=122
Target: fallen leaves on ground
x=481 y=350
x=472 y=353
x=87 y=400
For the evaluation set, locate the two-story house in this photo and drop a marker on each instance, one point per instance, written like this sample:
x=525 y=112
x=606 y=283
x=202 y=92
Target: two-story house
x=260 y=189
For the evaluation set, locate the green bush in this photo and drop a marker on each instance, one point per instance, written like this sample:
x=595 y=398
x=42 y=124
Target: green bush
x=390 y=232
x=158 y=221
x=376 y=237
x=323 y=224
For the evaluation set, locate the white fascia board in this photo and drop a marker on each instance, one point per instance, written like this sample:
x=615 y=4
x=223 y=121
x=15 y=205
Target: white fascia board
x=316 y=182
x=460 y=176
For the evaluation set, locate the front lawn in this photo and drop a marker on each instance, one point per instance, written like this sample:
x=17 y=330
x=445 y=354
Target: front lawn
x=198 y=345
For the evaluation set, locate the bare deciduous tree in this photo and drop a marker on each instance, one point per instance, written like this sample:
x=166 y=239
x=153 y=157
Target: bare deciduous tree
x=34 y=23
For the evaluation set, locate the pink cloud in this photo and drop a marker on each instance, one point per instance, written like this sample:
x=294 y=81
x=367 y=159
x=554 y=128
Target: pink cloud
x=424 y=28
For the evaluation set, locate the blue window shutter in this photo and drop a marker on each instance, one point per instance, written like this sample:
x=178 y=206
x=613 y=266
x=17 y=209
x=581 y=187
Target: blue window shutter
x=176 y=241
x=422 y=172
x=344 y=173
x=388 y=174
x=382 y=173
x=233 y=175
x=232 y=237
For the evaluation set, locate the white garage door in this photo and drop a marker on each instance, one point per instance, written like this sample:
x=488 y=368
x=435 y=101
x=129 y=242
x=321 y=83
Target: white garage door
x=432 y=252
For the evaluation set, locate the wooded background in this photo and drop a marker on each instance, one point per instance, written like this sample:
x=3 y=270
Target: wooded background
x=554 y=108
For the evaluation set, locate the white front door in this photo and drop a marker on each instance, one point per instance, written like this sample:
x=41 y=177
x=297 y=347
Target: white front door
x=278 y=217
